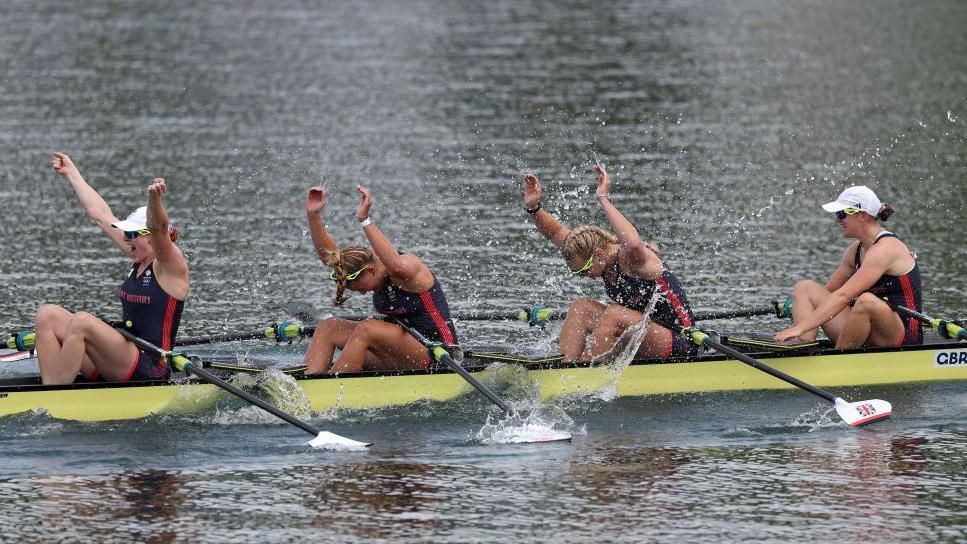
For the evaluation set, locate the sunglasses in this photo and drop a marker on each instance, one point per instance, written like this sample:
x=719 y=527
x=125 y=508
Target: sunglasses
x=583 y=271
x=348 y=277
x=132 y=234
x=842 y=214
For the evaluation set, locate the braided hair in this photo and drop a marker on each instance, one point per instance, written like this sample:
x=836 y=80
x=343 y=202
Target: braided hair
x=347 y=260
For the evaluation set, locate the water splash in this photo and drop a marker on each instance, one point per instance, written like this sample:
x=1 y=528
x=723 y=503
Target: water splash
x=274 y=387
x=819 y=418
x=536 y=424
x=618 y=358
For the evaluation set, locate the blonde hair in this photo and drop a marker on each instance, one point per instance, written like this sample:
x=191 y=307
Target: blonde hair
x=581 y=242
x=345 y=261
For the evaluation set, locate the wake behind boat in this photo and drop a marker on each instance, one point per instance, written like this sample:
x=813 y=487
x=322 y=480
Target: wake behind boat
x=819 y=364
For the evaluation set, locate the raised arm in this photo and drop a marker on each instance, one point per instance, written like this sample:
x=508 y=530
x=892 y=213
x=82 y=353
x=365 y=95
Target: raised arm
x=171 y=269
x=640 y=256
x=95 y=206
x=546 y=223
x=409 y=271
x=321 y=239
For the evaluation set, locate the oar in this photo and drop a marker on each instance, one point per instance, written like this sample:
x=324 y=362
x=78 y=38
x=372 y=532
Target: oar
x=947 y=328
x=282 y=331
x=323 y=439
x=441 y=355
x=539 y=315
x=776 y=308
x=288 y=330
x=853 y=413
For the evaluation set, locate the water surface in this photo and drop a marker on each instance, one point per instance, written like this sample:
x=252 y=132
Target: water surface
x=726 y=125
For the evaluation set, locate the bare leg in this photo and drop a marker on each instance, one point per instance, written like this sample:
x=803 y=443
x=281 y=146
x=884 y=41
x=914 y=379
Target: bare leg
x=395 y=349
x=330 y=334
x=87 y=336
x=807 y=295
x=51 y=326
x=657 y=342
x=870 y=320
x=614 y=322
x=582 y=316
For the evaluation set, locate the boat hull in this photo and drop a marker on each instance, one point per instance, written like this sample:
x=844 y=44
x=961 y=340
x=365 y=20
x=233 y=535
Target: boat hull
x=550 y=378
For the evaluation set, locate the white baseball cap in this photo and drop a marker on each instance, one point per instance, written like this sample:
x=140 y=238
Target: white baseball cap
x=137 y=220
x=860 y=197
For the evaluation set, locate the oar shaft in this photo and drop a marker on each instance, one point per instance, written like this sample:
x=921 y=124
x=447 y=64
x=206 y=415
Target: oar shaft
x=537 y=315
x=280 y=332
x=945 y=327
x=445 y=357
x=747 y=312
x=703 y=339
x=185 y=364
x=205 y=375
x=442 y=355
x=215 y=338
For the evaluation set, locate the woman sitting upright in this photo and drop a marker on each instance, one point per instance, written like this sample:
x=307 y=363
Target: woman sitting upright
x=852 y=308
x=152 y=296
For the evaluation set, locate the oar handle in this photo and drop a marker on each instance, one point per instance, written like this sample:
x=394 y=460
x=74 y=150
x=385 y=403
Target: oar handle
x=440 y=354
x=947 y=328
x=701 y=338
x=22 y=341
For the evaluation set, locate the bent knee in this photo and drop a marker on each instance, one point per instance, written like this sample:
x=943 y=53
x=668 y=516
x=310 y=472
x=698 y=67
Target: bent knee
x=49 y=313
x=582 y=303
x=868 y=303
x=584 y=307
x=82 y=322
x=806 y=286
x=616 y=313
x=366 y=329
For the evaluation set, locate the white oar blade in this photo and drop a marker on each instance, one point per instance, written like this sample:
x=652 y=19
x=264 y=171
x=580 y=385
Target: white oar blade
x=863 y=412
x=528 y=434
x=330 y=441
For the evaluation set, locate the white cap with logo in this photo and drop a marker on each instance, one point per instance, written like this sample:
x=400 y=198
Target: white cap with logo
x=137 y=220
x=860 y=197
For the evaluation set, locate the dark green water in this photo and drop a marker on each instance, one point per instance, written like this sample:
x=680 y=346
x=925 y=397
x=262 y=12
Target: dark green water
x=726 y=125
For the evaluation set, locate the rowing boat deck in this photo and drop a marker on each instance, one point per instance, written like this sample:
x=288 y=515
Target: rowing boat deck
x=819 y=365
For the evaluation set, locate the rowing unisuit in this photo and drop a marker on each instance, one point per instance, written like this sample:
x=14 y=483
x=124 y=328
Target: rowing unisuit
x=427 y=312
x=671 y=307
x=154 y=315
x=902 y=290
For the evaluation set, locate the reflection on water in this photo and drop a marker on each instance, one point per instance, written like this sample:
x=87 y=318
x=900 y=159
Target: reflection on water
x=867 y=487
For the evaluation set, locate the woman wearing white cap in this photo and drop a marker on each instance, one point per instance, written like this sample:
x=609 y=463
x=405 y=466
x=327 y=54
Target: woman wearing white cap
x=152 y=296
x=851 y=308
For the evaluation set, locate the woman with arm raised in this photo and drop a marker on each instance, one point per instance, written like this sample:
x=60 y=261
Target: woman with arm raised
x=152 y=296
x=631 y=271
x=402 y=286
